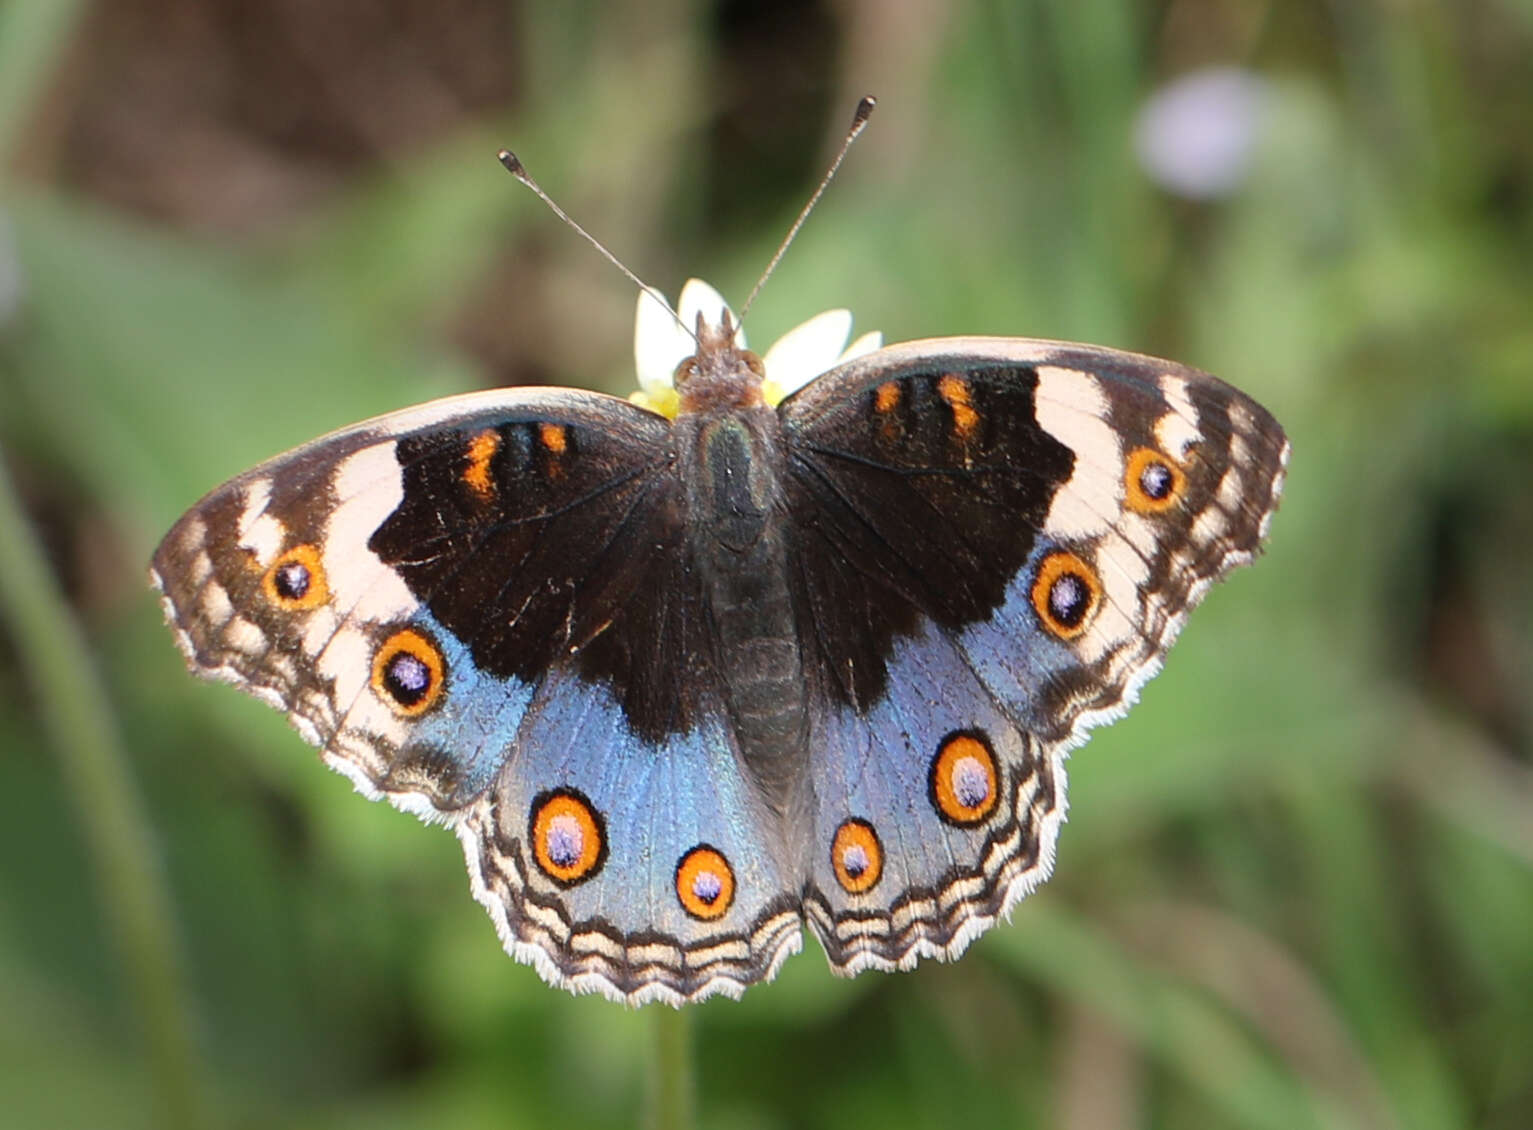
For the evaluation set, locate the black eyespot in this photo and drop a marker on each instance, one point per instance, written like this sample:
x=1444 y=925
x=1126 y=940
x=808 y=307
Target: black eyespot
x=1156 y=480
x=408 y=672
x=291 y=580
x=1152 y=482
x=407 y=678
x=295 y=582
x=1069 y=598
x=1065 y=593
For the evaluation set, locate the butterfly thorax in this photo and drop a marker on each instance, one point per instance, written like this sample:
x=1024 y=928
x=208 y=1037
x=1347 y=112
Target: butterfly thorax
x=730 y=457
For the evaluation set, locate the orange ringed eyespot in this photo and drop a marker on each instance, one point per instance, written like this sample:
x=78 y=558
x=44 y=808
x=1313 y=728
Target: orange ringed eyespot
x=856 y=856
x=705 y=883
x=567 y=835
x=296 y=580
x=1151 y=481
x=408 y=673
x=965 y=779
x=1065 y=594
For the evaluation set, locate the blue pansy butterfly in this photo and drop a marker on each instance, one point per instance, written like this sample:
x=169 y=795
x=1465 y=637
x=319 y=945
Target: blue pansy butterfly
x=748 y=652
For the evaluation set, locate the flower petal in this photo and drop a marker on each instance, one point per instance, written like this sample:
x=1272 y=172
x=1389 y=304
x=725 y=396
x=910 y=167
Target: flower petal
x=865 y=344
x=807 y=350
x=659 y=344
x=663 y=401
x=697 y=297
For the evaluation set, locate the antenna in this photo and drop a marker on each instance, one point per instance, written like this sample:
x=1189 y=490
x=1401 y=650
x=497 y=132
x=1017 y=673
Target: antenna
x=859 y=120
x=514 y=166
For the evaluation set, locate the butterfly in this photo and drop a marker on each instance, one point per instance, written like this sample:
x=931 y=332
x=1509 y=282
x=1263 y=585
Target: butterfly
x=689 y=674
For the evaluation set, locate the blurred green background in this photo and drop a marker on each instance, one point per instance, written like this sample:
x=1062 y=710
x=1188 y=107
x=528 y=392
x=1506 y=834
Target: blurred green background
x=1296 y=889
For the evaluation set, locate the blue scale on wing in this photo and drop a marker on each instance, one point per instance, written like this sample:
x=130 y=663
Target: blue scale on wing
x=463 y=742
x=653 y=804
x=1022 y=666
x=877 y=767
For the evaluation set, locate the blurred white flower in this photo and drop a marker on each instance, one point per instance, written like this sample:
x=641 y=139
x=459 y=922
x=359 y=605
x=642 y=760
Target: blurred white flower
x=800 y=355
x=1196 y=136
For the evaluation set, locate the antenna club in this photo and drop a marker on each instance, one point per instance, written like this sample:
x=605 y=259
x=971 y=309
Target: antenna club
x=859 y=120
x=515 y=167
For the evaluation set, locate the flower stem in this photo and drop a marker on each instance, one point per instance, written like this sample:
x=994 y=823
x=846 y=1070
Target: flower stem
x=672 y=1089
x=77 y=717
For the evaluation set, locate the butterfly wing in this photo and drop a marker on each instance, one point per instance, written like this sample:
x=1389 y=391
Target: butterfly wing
x=644 y=871
x=488 y=611
x=484 y=610
x=997 y=542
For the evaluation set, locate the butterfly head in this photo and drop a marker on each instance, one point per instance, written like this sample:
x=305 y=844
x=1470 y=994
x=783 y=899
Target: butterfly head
x=722 y=375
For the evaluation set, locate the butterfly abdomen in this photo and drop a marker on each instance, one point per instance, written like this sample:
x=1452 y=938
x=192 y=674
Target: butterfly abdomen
x=732 y=464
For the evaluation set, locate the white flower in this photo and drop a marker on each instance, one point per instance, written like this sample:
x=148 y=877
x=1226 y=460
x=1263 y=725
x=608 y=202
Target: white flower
x=800 y=355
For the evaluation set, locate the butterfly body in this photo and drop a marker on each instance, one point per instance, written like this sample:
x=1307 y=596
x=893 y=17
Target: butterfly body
x=684 y=686
x=731 y=459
